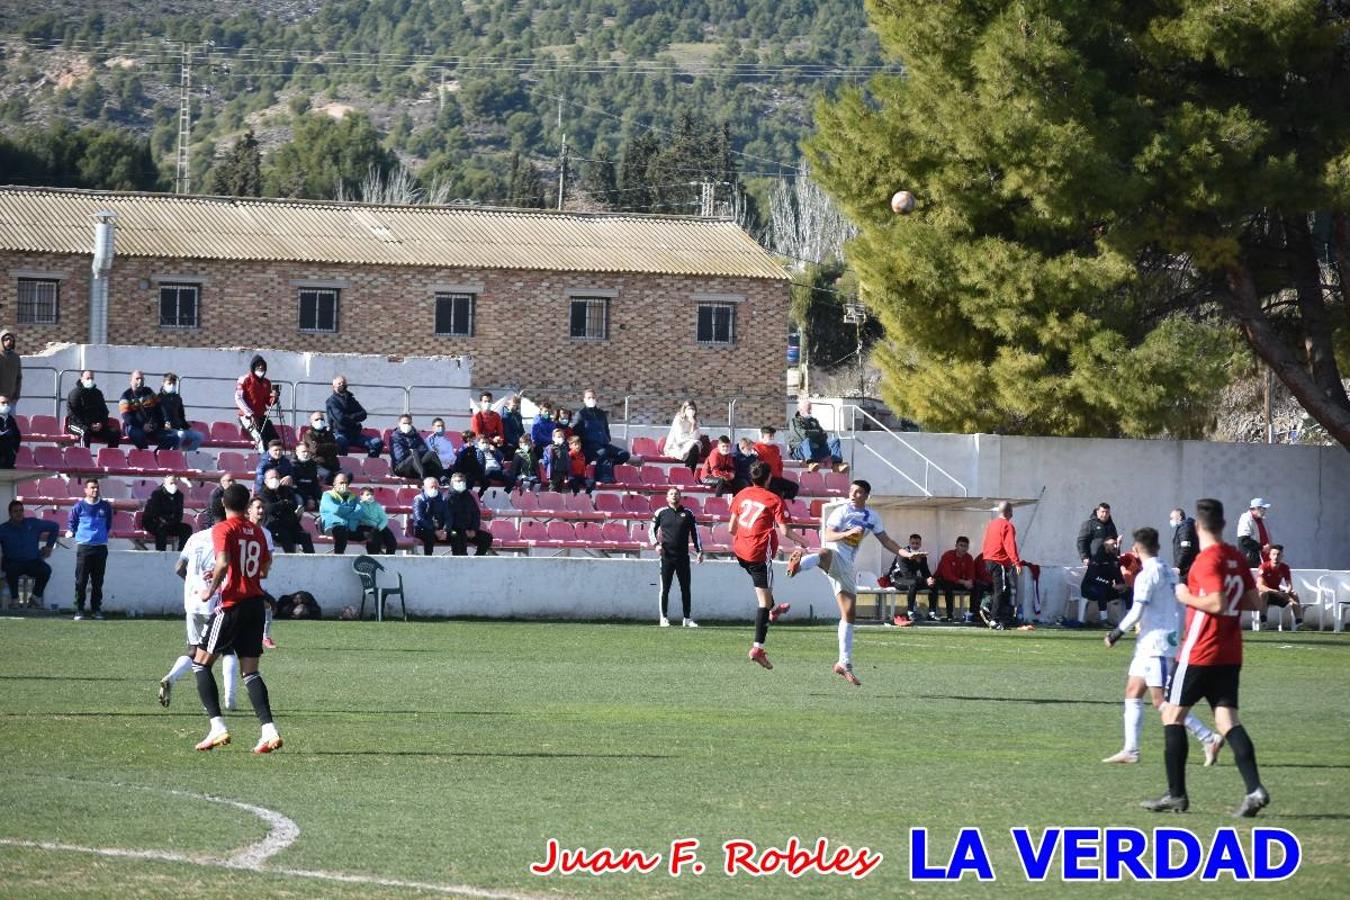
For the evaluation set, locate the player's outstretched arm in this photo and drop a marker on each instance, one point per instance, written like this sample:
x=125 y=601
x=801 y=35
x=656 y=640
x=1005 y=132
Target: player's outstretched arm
x=889 y=543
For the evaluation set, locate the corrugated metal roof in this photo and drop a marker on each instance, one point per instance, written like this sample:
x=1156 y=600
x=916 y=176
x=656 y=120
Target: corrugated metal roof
x=47 y=220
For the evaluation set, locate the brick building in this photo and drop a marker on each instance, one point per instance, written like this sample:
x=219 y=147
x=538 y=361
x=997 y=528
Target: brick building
x=651 y=307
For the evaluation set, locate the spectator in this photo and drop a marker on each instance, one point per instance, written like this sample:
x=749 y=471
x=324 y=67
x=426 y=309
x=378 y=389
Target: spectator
x=88 y=524
x=429 y=516
x=379 y=539
x=485 y=422
x=305 y=477
x=253 y=397
x=576 y=467
x=563 y=417
x=464 y=520
x=163 y=515
x=11 y=368
x=87 y=414
x=19 y=538
x=345 y=416
x=1253 y=534
x=281 y=514
x=340 y=513
x=10 y=435
x=768 y=453
x=410 y=454
x=591 y=423
x=719 y=469
x=1276 y=584
x=215 y=506
x=743 y=457
x=441 y=445
x=911 y=572
x=1102 y=581
x=525 y=465
x=323 y=446
x=490 y=461
x=512 y=424
x=955 y=572
x=1098 y=528
x=274 y=460
x=809 y=442
x=466 y=459
x=557 y=461
x=1185 y=542
x=685 y=440
x=170 y=405
x=541 y=429
x=1000 y=562
x=142 y=421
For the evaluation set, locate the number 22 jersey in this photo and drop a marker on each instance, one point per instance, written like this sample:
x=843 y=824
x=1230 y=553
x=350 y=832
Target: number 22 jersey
x=246 y=547
x=1216 y=639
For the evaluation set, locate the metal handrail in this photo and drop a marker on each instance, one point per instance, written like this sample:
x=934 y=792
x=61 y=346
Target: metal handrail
x=928 y=463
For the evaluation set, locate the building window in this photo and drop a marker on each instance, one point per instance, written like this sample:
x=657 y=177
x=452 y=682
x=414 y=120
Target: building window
x=454 y=315
x=717 y=323
x=319 y=309
x=38 y=301
x=178 y=305
x=590 y=318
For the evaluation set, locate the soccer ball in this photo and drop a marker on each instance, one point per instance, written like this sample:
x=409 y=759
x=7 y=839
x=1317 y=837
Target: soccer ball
x=902 y=202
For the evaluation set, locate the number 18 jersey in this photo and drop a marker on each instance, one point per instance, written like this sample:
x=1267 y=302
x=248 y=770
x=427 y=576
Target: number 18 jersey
x=1216 y=640
x=246 y=547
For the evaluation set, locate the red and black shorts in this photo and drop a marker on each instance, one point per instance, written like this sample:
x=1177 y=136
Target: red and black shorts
x=238 y=628
x=761 y=575
x=1188 y=684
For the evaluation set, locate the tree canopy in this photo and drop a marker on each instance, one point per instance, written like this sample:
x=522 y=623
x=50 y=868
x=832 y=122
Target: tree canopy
x=1109 y=196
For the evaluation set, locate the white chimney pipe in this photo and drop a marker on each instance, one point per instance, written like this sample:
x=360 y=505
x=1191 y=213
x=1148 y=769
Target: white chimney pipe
x=105 y=234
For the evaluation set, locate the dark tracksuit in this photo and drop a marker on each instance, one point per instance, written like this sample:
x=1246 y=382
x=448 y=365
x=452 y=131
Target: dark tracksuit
x=163 y=517
x=914 y=574
x=672 y=530
x=462 y=515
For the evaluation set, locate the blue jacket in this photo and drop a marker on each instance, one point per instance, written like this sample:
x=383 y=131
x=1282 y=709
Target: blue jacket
x=429 y=513
x=444 y=450
x=541 y=430
x=283 y=467
x=90 y=521
x=345 y=414
x=512 y=427
x=335 y=510
x=592 y=425
x=20 y=542
x=400 y=445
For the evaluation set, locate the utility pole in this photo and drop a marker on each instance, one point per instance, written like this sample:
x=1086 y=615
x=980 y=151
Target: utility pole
x=182 y=181
x=855 y=314
x=440 y=93
x=707 y=194
x=562 y=158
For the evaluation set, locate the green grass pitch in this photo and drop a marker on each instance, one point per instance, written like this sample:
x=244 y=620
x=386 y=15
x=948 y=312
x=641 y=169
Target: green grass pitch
x=447 y=753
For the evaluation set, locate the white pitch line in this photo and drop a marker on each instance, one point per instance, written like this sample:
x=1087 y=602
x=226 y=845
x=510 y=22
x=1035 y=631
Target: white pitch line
x=282 y=832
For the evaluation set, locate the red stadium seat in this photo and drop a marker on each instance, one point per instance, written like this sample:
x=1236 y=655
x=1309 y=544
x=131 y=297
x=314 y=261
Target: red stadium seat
x=526 y=502
x=79 y=459
x=798 y=510
x=237 y=463
x=625 y=474
x=654 y=476
x=505 y=532
x=50 y=458
x=837 y=483
x=636 y=505
x=113 y=461
x=141 y=489
x=645 y=447
x=228 y=434
x=615 y=533
x=287 y=435
x=375 y=468
x=533 y=533
x=812 y=483
x=550 y=503
x=716 y=508
x=638 y=534
x=812 y=537
x=141 y=460
x=579 y=505
x=561 y=532
x=24 y=459
x=203 y=427
x=681 y=477
x=590 y=534
x=608 y=504
x=173 y=461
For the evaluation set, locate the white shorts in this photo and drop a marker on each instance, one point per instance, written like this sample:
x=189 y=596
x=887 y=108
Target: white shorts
x=842 y=576
x=196 y=628
x=1153 y=669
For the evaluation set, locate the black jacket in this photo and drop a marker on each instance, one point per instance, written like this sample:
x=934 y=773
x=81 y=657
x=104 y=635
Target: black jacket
x=280 y=510
x=10 y=436
x=673 y=529
x=163 y=509
x=1185 y=545
x=85 y=406
x=462 y=513
x=215 y=508
x=305 y=474
x=345 y=414
x=908 y=570
x=171 y=407
x=1091 y=535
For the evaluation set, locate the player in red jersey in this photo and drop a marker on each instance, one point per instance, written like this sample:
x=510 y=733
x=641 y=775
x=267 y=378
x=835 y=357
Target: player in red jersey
x=758 y=517
x=1218 y=588
x=242 y=561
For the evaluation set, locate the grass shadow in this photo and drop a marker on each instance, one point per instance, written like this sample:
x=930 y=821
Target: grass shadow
x=445 y=754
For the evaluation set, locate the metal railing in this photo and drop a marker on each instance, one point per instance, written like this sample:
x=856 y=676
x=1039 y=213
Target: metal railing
x=190 y=407
x=929 y=466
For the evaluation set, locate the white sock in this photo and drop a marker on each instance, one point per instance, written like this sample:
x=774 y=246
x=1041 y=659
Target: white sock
x=845 y=642
x=269 y=731
x=1134 y=723
x=267 y=622
x=1197 y=728
x=180 y=666
x=230 y=673
x=810 y=561
x=218 y=724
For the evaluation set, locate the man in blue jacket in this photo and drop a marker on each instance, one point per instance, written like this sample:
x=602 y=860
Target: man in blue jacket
x=592 y=424
x=88 y=524
x=345 y=415
x=428 y=516
x=19 y=540
x=409 y=454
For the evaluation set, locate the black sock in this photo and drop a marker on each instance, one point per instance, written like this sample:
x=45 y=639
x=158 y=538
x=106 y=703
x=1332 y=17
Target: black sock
x=257 y=695
x=684 y=602
x=1175 y=748
x=1244 y=756
x=207 y=690
x=761 y=624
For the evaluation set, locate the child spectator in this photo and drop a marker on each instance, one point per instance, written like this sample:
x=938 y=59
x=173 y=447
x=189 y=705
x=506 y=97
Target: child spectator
x=557 y=461
x=490 y=459
x=281 y=514
x=719 y=470
x=273 y=459
x=485 y=422
x=563 y=417
x=576 y=469
x=769 y=453
x=743 y=457
x=541 y=429
x=340 y=513
x=323 y=446
x=305 y=477
x=380 y=539
x=175 y=418
x=163 y=515
x=10 y=436
x=525 y=465
x=441 y=445
x=300 y=605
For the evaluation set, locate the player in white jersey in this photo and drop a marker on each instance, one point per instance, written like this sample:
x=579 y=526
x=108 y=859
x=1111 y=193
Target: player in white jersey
x=843 y=531
x=1158 y=615
x=196 y=564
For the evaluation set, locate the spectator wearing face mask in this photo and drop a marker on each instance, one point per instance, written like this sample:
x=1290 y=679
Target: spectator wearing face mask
x=513 y=426
x=467 y=462
x=557 y=461
x=577 y=479
x=685 y=440
x=252 y=399
x=345 y=416
x=429 y=516
x=340 y=514
x=163 y=515
x=379 y=539
x=485 y=422
x=591 y=424
x=10 y=435
x=281 y=513
x=142 y=420
x=305 y=477
x=494 y=470
x=274 y=460
x=411 y=456
x=323 y=447
x=87 y=414
x=170 y=404
x=464 y=520
x=525 y=465
x=541 y=429
x=441 y=445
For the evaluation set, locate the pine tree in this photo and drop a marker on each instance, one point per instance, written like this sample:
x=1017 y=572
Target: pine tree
x=1108 y=194
x=600 y=180
x=525 y=188
x=635 y=185
x=239 y=173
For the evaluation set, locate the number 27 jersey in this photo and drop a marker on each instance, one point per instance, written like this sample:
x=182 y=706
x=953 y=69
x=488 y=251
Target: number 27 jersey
x=1216 y=639
x=246 y=548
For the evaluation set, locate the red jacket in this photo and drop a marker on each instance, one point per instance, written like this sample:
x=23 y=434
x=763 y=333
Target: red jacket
x=981 y=573
x=487 y=424
x=1000 y=543
x=719 y=464
x=251 y=394
x=772 y=456
x=578 y=463
x=953 y=567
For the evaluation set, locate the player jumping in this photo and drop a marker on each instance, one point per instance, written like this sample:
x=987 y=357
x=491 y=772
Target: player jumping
x=1217 y=589
x=1157 y=613
x=843 y=532
x=242 y=561
x=757 y=518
